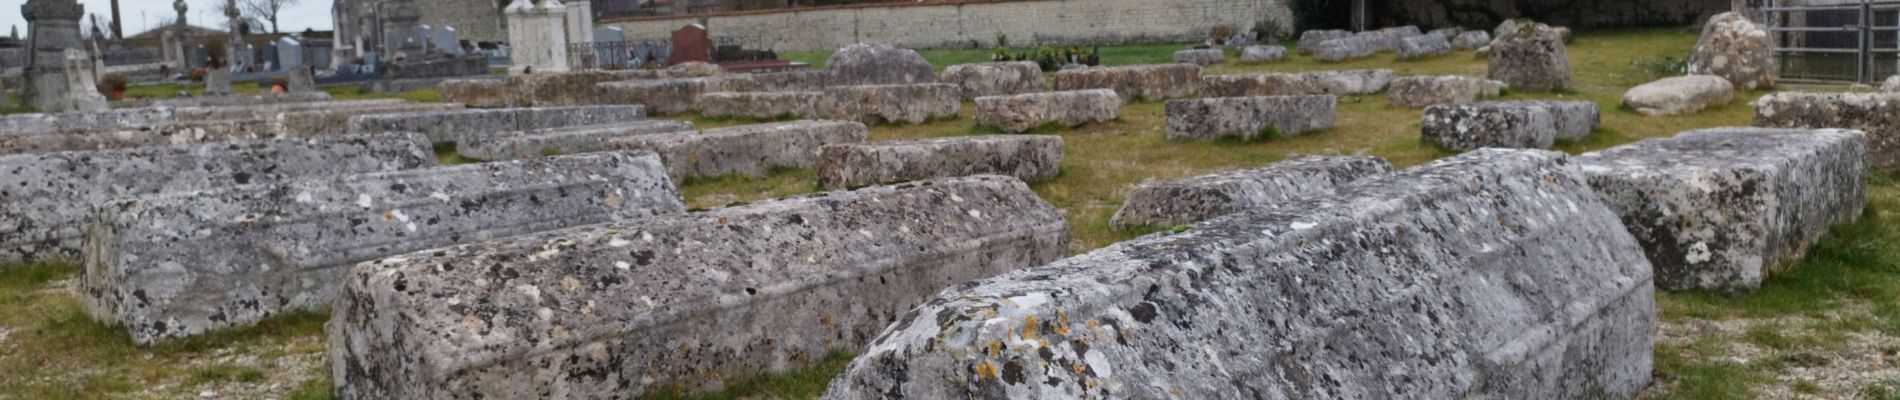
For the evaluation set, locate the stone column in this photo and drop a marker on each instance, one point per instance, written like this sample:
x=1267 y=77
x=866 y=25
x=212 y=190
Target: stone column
x=233 y=44
x=537 y=36
x=53 y=35
x=580 y=21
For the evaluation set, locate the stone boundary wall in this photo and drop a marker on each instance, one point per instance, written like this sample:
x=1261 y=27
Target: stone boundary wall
x=971 y=23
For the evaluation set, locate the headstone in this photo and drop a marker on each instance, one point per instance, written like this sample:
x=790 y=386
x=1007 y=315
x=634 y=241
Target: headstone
x=1278 y=185
x=565 y=140
x=184 y=265
x=1031 y=158
x=1411 y=285
x=271 y=60
x=218 y=82
x=579 y=21
x=690 y=43
x=1422 y=91
x=877 y=64
x=994 y=79
x=426 y=34
x=537 y=37
x=1679 y=95
x=1155 y=82
x=1876 y=114
x=458 y=125
x=169 y=47
x=402 y=21
x=1022 y=112
x=1532 y=59
x=300 y=80
x=610 y=34
x=1721 y=209
x=748 y=150
x=289 y=52
x=897 y=104
x=1249 y=118
x=1201 y=57
x=1735 y=49
x=446 y=41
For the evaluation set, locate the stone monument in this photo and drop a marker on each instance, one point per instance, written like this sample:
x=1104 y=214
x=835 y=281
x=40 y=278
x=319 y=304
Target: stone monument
x=181 y=36
x=52 y=43
x=580 y=21
x=233 y=45
x=401 y=22
x=691 y=43
x=538 y=34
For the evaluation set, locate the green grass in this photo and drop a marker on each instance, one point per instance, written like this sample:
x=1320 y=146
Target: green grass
x=800 y=383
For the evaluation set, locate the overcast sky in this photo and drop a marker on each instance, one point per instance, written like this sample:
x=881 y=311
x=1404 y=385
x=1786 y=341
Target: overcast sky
x=141 y=15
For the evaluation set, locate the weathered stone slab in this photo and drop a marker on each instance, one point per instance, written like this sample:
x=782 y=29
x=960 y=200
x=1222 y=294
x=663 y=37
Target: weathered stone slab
x=1136 y=82
x=1023 y=112
x=1262 y=53
x=482 y=93
x=1248 y=118
x=1876 y=114
x=1892 y=85
x=312 y=123
x=267 y=111
x=760 y=105
x=557 y=141
x=1414 y=285
x=1532 y=60
x=1679 y=95
x=878 y=64
x=749 y=150
x=1574 y=119
x=1423 y=91
x=48 y=196
x=174 y=266
x=1421 y=46
x=461 y=125
x=242 y=100
x=1511 y=124
x=994 y=79
x=1471 y=40
x=540 y=89
x=675 y=302
x=217 y=82
x=1311 y=40
x=1736 y=49
x=1277 y=185
x=1719 y=209
x=677 y=95
x=1201 y=57
x=1031 y=158
x=34 y=124
x=909 y=104
x=1346 y=48
x=1345 y=82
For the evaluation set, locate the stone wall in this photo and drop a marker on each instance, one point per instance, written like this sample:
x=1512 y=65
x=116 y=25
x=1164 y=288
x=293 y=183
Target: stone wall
x=1576 y=14
x=971 y=23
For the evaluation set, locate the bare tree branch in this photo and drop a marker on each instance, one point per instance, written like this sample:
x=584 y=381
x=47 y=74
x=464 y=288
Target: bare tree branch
x=268 y=10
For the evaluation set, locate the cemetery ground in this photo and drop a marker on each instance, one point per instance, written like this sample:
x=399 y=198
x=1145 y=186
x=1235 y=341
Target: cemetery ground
x=1827 y=327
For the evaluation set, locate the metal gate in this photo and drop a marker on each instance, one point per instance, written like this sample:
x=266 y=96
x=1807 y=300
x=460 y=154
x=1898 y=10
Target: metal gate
x=1834 y=41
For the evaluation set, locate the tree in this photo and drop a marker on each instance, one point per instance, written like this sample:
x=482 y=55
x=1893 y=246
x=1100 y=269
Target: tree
x=268 y=10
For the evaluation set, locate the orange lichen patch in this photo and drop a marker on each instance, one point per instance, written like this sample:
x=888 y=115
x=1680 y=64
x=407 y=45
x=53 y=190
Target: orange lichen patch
x=996 y=348
x=570 y=283
x=1029 y=327
x=389 y=215
x=829 y=323
x=801 y=358
x=985 y=370
x=1079 y=368
x=1062 y=323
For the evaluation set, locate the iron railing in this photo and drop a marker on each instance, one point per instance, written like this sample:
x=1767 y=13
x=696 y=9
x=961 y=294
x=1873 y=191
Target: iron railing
x=1855 y=42
x=616 y=55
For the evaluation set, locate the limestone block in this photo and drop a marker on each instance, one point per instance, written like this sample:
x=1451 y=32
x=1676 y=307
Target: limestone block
x=895 y=104
x=878 y=64
x=1876 y=114
x=466 y=124
x=994 y=79
x=1422 y=91
x=266 y=111
x=1346 y=48
x=557 y=141
x=243 y=100
x=482 y=93
x=760 y=105
x=1574 y=119
x=1153 y=82
x=1248 y=118
x=313 y=123
x=1533 y=60
x=1277 y=185
x=1421 y=46
x=1679 y=95
x=1023 y=112
x=1892 y=85
x=1031 y=158
x=673 y=95
x=218 y=82
x=1534 y=124
x=36 y=123
x=1718 y=209
x=749 y=150
x=1344 y=82
x=610 y=310
x=1262 y=53
x=1311 y=40
x=1201 y=57
x=1407 y=286
x=174 y=266
x=49 y=196
x=1471 y=40
x=1736 y=49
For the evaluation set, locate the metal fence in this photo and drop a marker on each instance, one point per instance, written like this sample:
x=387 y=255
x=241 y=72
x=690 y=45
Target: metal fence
x=616 y=55
x=1852 y=42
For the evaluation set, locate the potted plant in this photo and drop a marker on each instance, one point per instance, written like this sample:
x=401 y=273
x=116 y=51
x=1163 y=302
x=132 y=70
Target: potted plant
x=113 y=86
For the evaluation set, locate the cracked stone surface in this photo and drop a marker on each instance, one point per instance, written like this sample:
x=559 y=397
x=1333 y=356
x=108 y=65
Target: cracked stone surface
x=270 y=110
x=1423 y=91
x=1310 y=40
x=893 y=104
x=1421 y=46
x=1471 y=40
x=241 y=100
x=1718 y=209
x=878 y=64
x=1736 y=49
x=760 y=105
x=1018 y=113
x=541 y=89
x=994 y=78
x=200 y=125
x=1201 y=57
x=179 y=265
x=1249 y=117
x=1031 y=158
x=677 y=95
x=1876 y=114
x=1414 y=285
x=1277 y=185
x=1262 y=53
x=1535 y=124
x=462 y=125
x=38 y=124
x=1357 y=46
x=1531 y=59
x=47 y=197
x=557 y=141
x=1679 y=95
x=1153 y=82
x=1342 y=82
x=749 y=150
x=679 y=301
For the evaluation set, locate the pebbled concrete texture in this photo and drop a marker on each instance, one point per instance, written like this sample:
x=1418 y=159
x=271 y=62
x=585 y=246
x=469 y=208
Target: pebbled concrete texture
x=1535 y=124
x=748 y=150
x=1277 y=185
x=47 y=197
x=1423 y=91
x=43 y=124
x=1249 y=117
x=1022 y=112
x=894 y=104
x=1718 y=209
x=462 y=125
x=174 y=266
x=1358 y=81
x=1031 y=158
x=1413 y=285
x=1876 y=114
x=624 y=309
x=558 y=141
x=1153 y=82
x=760 y=105
x=994 y=78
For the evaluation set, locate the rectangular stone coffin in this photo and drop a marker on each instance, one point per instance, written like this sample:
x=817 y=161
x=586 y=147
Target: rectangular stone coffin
x=760 y=105
x=676 y=302
x=1517 y=124
x=1876 y=114
x=48 y=196
x=334 y=122
x=1494 y=274
x=1718 y=209
x=1362 y=45
x=1031 y=158
x=1310 y=40
x=912 y=104
x=1425 y=90
x=678 y=95
x=1022 y=112
x=266 y=111
x=172 y=266
x=1144 y=82
x=1358 y=81
x=37 y=124
x=1248 y=117
x=557 y=141
x=461 y=125
x=994 y=79
x=240 y=100
x=1277 y=185
x=749 y=150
